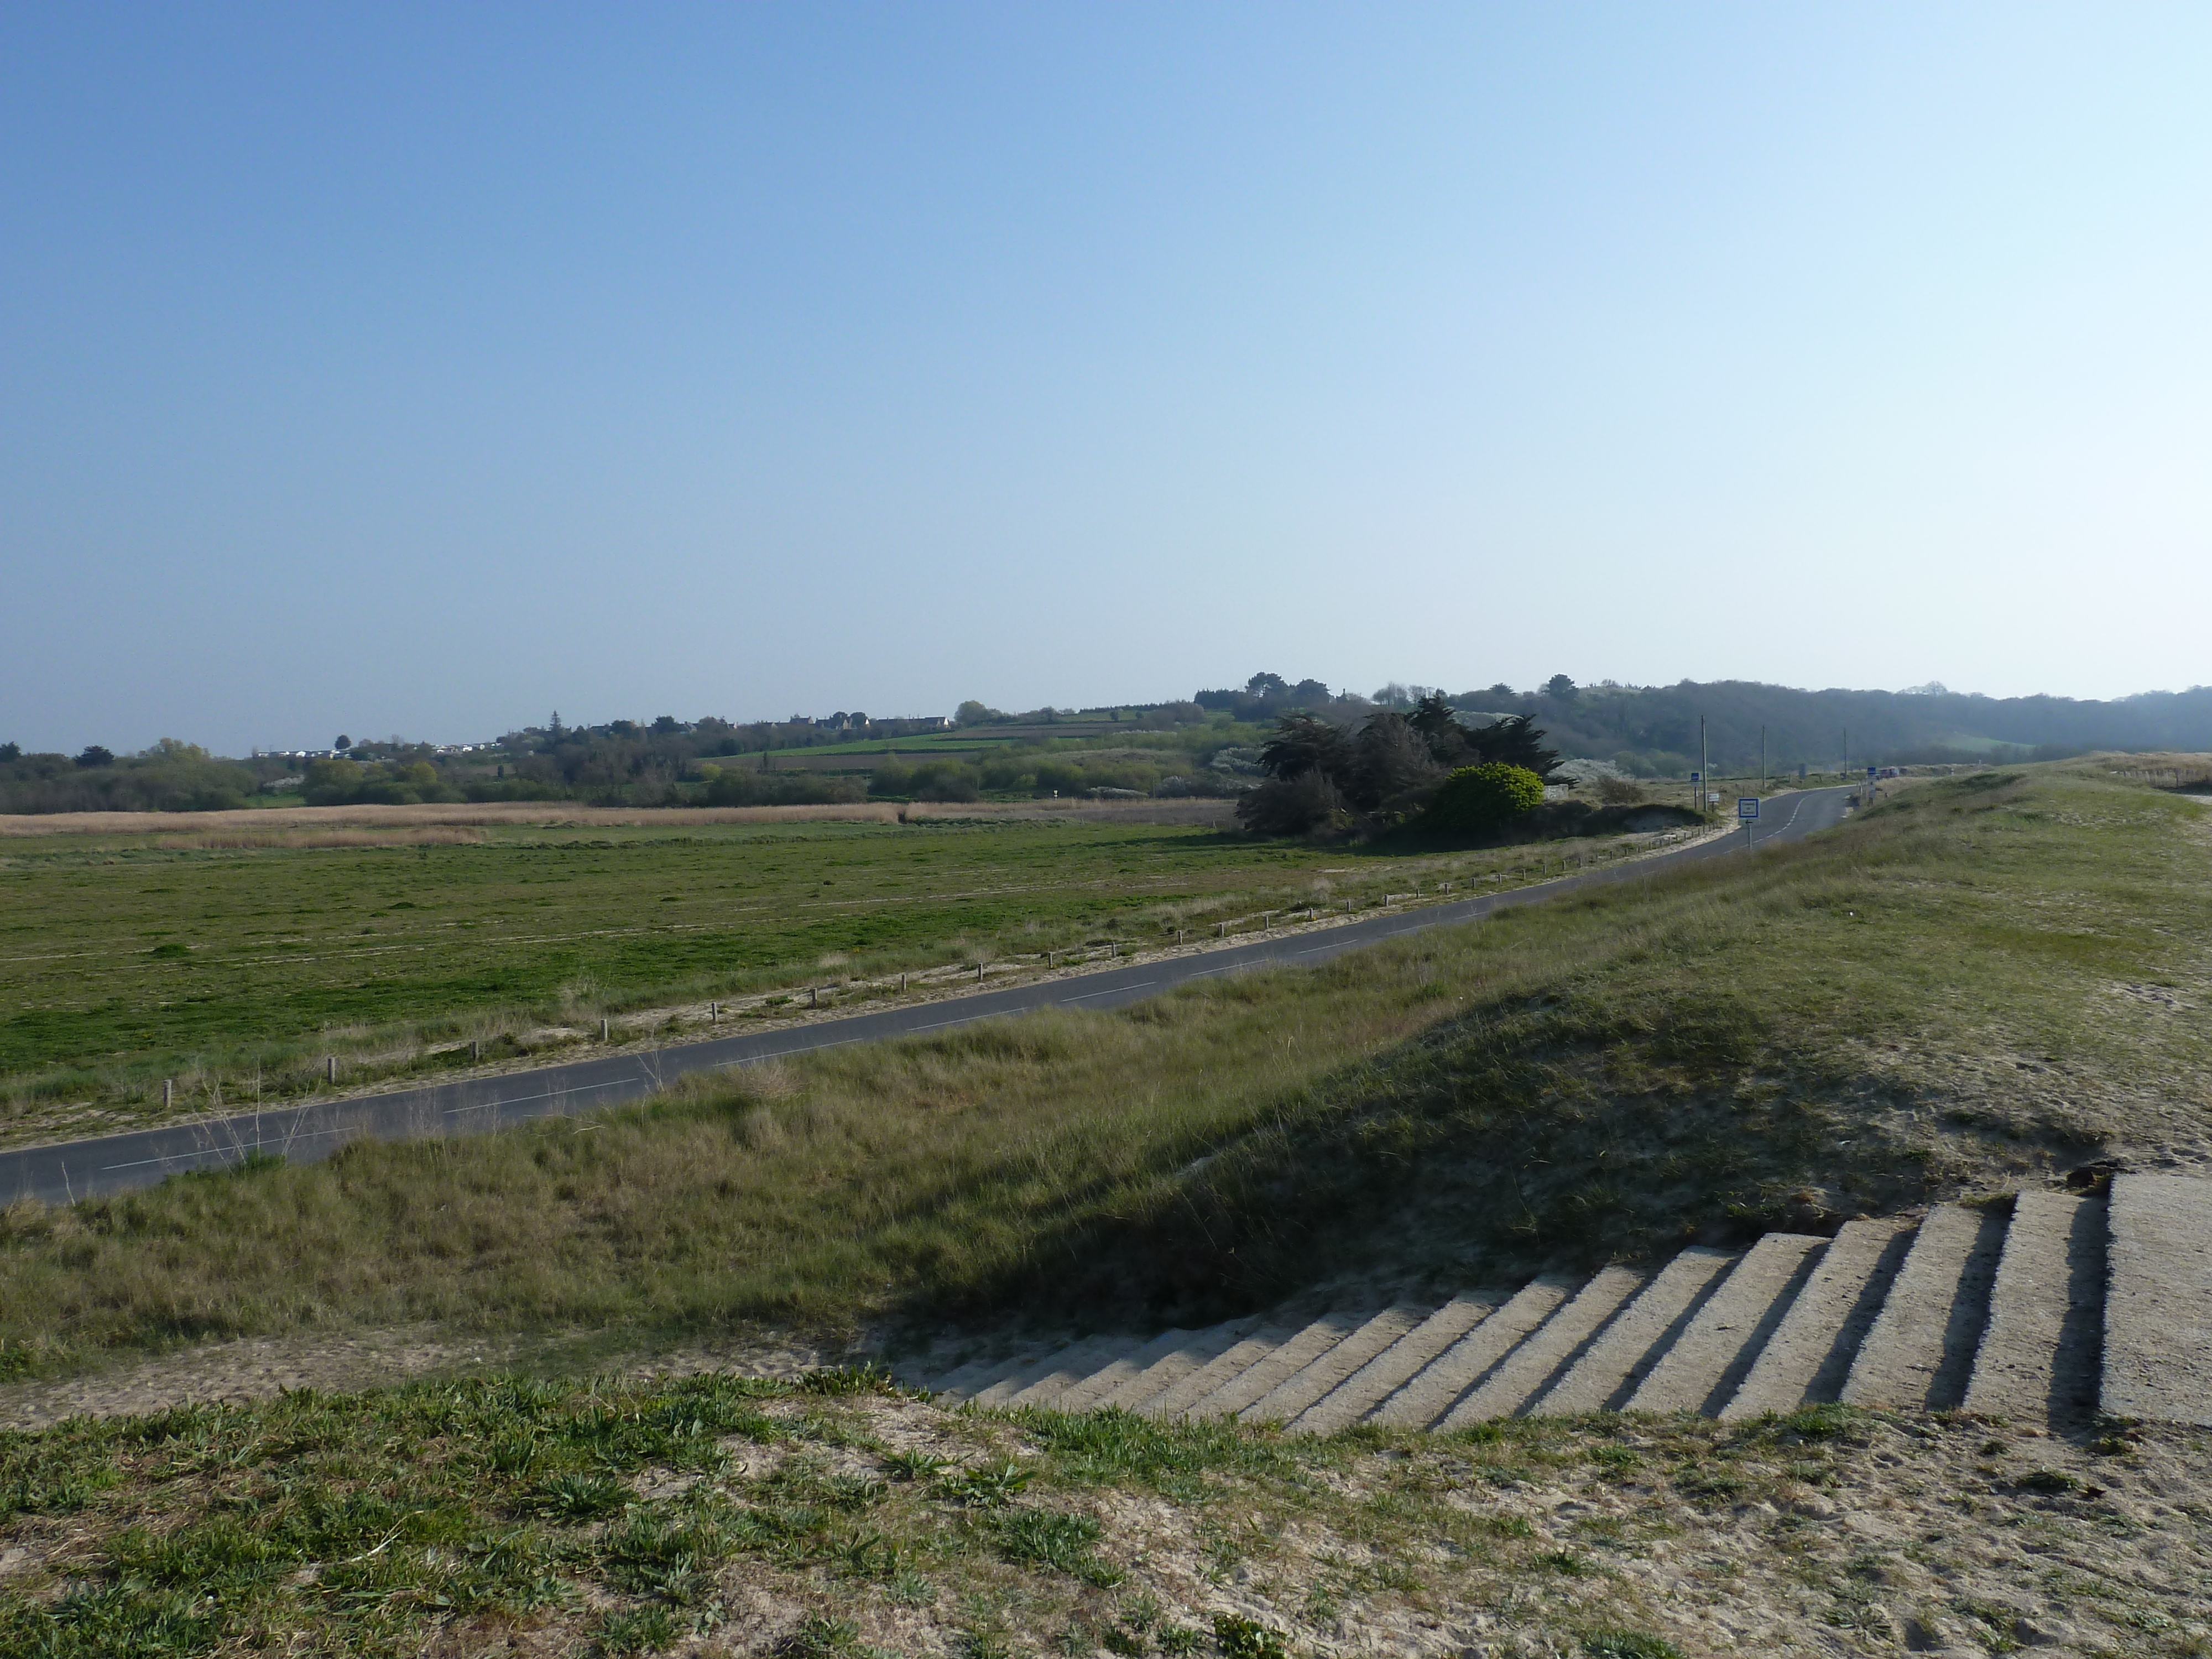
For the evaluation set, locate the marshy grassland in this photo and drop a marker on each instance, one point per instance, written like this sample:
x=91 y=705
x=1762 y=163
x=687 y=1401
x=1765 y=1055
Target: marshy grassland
x=232 y=960
x=1980 y=983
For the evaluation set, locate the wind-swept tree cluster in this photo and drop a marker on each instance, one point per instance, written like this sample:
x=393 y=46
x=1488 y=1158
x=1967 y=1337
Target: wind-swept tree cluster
x=1266 y=696
x=1323 y=775
x=173 y=776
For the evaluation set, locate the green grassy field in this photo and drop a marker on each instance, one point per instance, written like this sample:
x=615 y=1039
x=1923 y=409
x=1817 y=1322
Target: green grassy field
x=124 y=961
x=1981 y=982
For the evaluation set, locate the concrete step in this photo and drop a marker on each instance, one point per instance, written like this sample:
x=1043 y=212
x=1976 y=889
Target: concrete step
x=2038 y=1360
x=1178 y=1397
x=1320 y=1375
x=1611 y=1367
x=1075 y=1361
x=1163 y=1373
x=2158 y=1300
x=962 y=1381
x=1810 y=1355
x=1390 y=1371
x=1547 y=1351
x=1436 y=1388
x=1708 y=1363
x=1920 y=1352
x=956 y=1383
x=2038 y=1313
x=1082 y=1395
x=1284 y=1361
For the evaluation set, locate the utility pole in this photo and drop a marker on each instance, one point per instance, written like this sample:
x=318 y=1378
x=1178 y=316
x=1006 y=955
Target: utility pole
x=1762 y=760
x=1705 y=760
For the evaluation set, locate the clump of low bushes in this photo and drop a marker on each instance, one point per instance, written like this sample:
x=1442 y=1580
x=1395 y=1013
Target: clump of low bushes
x=1020 y=771
x=172 y=776
x=1323 y=778
x=392 y=783
x=747 y=788
x=1481 y=801
x=935 y=779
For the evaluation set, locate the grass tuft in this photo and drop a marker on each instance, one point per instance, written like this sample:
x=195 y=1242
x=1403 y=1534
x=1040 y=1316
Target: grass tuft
x=1238 y=1637
x=1063 y=1542
x=1613 y=1643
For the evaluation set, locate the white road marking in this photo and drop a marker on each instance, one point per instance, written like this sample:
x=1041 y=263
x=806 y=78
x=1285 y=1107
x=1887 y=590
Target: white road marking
x=840 y=1043
x=1111 y=991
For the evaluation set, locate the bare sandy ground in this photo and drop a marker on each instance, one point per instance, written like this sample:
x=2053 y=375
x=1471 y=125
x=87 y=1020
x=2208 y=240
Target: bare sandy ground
x=1946 y=1534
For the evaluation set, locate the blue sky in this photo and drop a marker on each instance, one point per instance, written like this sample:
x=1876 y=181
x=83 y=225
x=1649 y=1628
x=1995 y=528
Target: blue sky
x=422 y=369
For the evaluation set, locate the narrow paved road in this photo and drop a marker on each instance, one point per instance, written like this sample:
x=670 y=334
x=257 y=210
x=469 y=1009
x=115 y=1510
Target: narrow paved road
x=84 y=1168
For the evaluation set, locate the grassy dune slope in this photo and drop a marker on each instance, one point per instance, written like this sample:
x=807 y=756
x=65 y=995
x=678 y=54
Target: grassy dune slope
x=1978 y=982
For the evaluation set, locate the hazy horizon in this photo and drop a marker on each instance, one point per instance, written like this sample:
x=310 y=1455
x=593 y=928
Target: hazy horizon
x=422 y=370
x=359 y=734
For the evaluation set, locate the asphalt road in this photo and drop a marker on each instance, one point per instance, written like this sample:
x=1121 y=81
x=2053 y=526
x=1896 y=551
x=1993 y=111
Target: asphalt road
x=82 y=1168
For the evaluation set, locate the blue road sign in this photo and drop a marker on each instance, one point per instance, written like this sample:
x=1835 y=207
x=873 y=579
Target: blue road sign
x=1746 y=807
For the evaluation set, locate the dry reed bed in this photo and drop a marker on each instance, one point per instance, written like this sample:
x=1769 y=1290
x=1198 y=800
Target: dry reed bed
x=486 y=815
x=433 y=835
x=257 y=823
x=1201 y=810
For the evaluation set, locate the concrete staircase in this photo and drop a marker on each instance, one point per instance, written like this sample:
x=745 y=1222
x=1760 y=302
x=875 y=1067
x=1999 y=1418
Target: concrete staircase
x=2068 y=1303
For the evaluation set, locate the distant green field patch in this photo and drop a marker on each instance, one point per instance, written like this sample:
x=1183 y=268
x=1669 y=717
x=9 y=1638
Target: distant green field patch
x=124 y=961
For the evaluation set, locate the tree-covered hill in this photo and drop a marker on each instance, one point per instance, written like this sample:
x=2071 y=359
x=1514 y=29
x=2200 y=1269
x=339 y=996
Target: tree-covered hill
x=1654 y=729
x=1204 y=744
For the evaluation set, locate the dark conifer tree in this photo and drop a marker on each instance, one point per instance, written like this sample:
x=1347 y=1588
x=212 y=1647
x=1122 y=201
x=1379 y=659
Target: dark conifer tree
x=1306 y=743
x=1434 y=718
x=1516 y=741
x=1393 y=766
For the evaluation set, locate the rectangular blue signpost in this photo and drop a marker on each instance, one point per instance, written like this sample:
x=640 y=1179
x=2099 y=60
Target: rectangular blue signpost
x=1747 y=808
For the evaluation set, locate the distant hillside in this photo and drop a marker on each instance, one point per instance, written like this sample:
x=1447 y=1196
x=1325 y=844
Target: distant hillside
x=1202 y=746
x=1654 y=729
